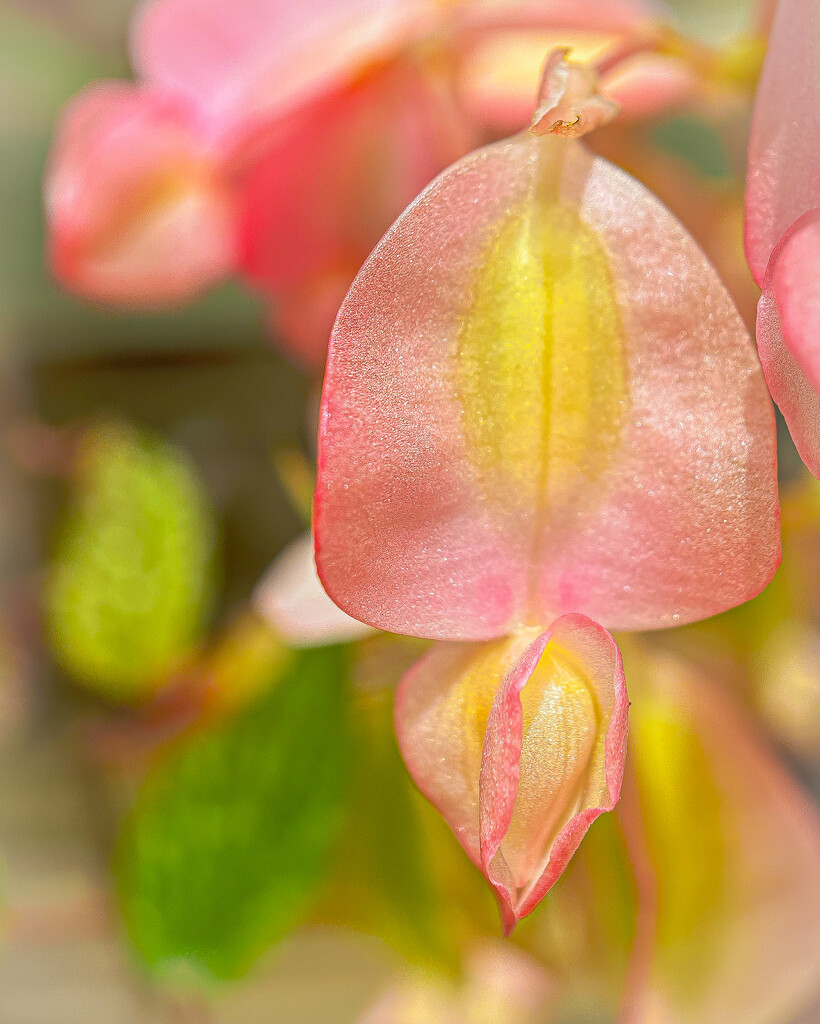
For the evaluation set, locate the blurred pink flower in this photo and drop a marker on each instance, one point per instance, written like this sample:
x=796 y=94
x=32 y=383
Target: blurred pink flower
x=540 y=407
x=728 y=882
x=265 y=139
x=783 y=220
x=278 y=141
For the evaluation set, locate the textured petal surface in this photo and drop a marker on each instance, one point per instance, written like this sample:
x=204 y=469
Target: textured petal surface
x=520 y=744
x=540 y=399
x=237 y=60
x=291 y=599
x=784 y=172
x=736 y=848
x=788 y=334
x=136 y=213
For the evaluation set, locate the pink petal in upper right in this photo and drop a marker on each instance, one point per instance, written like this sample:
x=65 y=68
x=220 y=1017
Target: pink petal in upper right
x=784 y=172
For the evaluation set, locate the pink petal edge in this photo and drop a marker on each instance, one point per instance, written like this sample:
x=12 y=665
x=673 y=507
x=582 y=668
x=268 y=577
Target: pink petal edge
x=788 y=332
x=784 y=174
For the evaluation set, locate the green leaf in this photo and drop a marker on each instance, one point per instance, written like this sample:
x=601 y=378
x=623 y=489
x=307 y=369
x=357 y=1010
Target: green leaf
x=697 y=143
x=383 y=880
x=131 y=579
x=230 y=834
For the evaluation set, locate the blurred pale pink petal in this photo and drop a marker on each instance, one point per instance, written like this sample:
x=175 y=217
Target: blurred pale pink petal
x=520 y=745
x=498 y=79
x=788 y=334
x=235 y=61
x=137 y=214
x=604 y=16
x=502 y=45
x=501 y=984
x=649 y=84
x=784 y=172
x=291 y=600
x=540 y=399
x=739 y=924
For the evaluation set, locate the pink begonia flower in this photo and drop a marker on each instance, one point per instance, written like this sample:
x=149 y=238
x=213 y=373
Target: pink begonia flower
x=783 y=220
x=268 y=139
x=277 y=141
x=540 y=406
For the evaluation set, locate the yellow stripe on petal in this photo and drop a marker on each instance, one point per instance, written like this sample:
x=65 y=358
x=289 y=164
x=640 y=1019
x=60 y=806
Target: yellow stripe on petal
x=541 y=362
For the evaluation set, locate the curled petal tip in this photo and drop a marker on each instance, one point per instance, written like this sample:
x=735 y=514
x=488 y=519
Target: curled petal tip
x=520 y=744
x=568 y=99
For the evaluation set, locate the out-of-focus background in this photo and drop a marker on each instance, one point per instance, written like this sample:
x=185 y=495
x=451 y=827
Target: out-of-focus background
x=198 y=825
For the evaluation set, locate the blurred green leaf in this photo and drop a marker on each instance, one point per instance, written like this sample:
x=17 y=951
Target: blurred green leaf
x=383 y=881
x=695 y=141
x=130 y=582
x=232 y=829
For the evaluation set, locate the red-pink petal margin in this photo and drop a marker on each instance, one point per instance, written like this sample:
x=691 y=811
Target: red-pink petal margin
x=600 y=658
x=473 y=783
x=784 y=172
x=788 y=334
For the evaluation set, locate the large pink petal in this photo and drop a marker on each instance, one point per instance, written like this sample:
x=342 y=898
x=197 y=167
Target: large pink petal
x=735 y=847
x=784 y=172
x=520 y=745
x=136 y=212
x=236 y=61
x=788 y=334
x=476 y=475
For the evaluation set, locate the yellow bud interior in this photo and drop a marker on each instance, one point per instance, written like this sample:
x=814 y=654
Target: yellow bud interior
x=561 y=730
x=561 y=726
x=540 y=368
